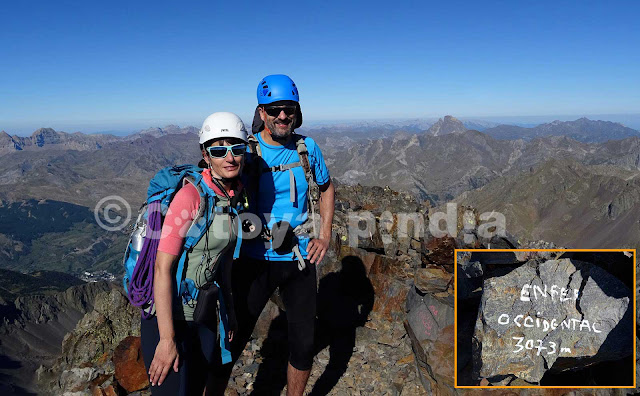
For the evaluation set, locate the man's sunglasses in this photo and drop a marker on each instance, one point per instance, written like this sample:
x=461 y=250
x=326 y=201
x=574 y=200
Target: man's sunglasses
x=221 y=151
x=274 y=111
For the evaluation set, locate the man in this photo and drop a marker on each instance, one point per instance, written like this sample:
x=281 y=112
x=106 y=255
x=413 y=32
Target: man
x=282 y=196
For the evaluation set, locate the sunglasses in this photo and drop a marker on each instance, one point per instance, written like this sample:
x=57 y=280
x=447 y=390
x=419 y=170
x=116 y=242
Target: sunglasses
x=221 y=151
x=274 y=111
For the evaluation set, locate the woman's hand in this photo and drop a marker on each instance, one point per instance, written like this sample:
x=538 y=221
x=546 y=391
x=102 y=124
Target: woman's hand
x=166 y=356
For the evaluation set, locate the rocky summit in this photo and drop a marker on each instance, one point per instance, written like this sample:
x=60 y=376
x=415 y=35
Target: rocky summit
x=386 y=318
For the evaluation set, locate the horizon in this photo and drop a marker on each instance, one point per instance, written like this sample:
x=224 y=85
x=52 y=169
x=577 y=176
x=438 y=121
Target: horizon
x=632 y=121
x=111 y=67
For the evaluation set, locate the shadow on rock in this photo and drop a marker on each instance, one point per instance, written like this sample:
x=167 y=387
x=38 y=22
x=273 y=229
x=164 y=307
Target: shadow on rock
x=345 y=299
x=8 y=382
x=271 y=377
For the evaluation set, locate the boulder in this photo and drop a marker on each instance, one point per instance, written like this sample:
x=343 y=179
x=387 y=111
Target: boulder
x=432 y=279
x=130 y=371
x=91 y=345
x=430 y=326
x=552 y=315
x=99 y=331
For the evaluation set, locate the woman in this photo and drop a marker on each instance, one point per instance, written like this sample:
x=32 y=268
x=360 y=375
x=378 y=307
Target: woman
x=177 y=351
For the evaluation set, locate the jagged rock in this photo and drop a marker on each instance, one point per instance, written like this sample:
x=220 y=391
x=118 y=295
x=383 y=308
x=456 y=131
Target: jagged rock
x=432 y=279
x=389 y=281
x=439 y=251
x=130 y=371
x=112 y=319
x=41 y=309
x=109 y=390
x=34 y=328
x=471 y=269
x=570 y=306
x=430 y=325
x=92 y=342
x=75 y=379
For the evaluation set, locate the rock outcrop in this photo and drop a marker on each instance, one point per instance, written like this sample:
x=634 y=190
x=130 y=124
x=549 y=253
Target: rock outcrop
x=88 y=360
x=385 y=315
x=541 y=312
x=34 y=327
x=130 y=371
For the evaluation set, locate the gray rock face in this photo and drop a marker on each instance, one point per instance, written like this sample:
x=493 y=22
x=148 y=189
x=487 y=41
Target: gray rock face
x=552 y=315
x=91 y=344
x=430 y=327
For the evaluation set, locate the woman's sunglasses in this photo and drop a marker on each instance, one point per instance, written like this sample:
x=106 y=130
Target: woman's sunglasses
x=274 y=111
x=221 y=151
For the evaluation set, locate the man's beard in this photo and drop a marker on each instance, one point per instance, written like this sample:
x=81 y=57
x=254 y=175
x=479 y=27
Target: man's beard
x=280 y=134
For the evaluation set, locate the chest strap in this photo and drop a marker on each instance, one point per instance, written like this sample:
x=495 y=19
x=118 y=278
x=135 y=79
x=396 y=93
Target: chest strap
x=292 y=179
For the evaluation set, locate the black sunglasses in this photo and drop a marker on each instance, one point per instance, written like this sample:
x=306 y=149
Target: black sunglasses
x=274 y=111
x=221 y=151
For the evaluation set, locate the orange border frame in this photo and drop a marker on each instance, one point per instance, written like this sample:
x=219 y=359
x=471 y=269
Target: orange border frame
x=455 y=321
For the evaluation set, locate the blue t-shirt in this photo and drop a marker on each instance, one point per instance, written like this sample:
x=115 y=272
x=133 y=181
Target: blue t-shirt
x=273 y=202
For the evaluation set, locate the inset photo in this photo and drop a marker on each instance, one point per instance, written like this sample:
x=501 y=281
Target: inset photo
x=545 y=318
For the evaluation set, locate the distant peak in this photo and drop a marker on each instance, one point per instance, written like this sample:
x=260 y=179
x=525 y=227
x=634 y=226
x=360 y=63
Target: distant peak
x=446 y=125
x=43 y=131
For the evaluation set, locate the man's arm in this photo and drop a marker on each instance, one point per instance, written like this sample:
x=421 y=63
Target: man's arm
x=318 y=247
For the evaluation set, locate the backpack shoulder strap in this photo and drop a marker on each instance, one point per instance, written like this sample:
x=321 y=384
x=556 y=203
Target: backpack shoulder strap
x=303 y=153
x=254 y=170
x=206 y=210
x=254 y=145
x=201 y=207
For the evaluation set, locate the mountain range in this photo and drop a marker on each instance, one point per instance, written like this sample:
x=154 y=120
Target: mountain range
x=51 y=181
x=564 y=200
x=583 y=130
x=48 y=138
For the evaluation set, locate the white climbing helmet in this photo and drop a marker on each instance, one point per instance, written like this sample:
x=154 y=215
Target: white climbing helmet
x=222 y=125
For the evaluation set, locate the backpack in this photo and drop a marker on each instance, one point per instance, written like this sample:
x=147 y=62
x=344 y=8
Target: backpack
x=140 y=254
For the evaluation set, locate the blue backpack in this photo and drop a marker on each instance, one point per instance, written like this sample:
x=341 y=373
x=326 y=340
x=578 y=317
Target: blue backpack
x=140 y=255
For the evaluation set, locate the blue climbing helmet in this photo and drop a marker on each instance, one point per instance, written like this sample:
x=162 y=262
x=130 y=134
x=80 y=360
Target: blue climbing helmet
x=276 y=87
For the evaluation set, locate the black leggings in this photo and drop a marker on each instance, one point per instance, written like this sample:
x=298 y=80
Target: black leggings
x=254 y=281
x=197 y=350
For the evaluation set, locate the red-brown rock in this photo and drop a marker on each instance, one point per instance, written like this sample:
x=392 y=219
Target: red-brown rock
x=130 y=371
x=432 y=279
x=106 y=391
x=439 y=251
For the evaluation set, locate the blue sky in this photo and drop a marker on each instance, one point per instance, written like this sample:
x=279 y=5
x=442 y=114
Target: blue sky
x=95 y=66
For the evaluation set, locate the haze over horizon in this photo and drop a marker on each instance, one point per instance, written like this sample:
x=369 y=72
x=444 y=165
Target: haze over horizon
x=629 y=120
x=130 y=66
